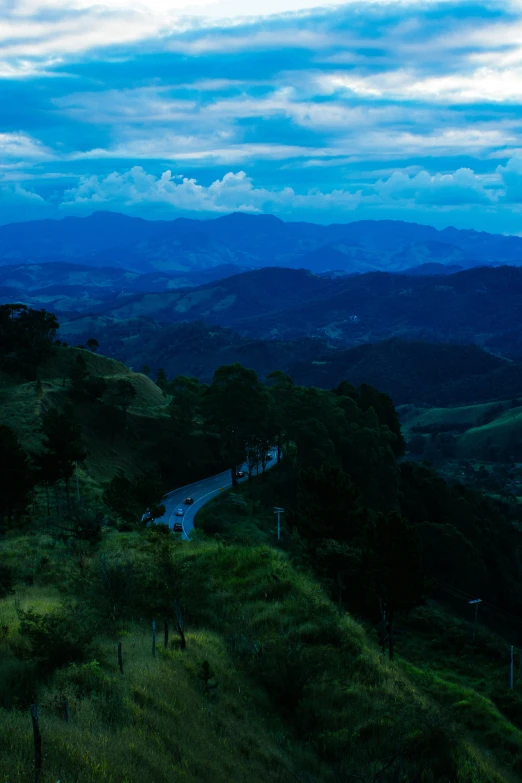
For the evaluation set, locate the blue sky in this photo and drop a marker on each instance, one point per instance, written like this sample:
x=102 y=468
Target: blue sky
x=331 y=113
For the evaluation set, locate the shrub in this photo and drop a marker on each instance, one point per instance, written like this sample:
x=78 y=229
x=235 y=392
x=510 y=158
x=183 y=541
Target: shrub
x=55 y=638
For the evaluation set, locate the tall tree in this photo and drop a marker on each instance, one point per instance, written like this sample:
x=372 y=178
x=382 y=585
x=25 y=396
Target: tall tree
x=63 y=441
x=392 y=564
x=236 y=406
x=78 y=373
x=16 y=476
x=125 y=394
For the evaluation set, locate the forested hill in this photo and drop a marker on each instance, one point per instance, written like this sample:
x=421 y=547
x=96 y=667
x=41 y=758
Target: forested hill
x=262 y=644
x=409 y=371
x=475 y=305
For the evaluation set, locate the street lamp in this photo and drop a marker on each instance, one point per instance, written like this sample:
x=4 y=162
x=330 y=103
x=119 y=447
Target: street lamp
x=278 y=511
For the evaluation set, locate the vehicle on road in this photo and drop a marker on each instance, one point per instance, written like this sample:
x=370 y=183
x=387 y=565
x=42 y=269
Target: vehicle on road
x=178 y=527
x=180 y=512
x=240 y=474
x=269 y=456
x=189 y=501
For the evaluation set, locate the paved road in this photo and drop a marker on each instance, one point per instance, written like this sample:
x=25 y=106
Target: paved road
x=202 y=491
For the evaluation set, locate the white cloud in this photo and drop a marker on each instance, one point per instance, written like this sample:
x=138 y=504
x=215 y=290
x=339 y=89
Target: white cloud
x=16 y=194
x=461 y=187
x=487 y=83
x=234 y=192
x=20 y=146
x=237 y=192
x=511 y=176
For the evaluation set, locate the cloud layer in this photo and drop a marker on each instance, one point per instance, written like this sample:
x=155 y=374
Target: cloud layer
x=395 y=108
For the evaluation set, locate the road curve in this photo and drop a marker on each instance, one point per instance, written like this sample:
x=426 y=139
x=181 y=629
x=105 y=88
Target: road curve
x=202 y=491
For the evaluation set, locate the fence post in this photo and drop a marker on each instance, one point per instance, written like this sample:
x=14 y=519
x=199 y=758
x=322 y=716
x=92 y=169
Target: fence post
x=120 y=658
x=166 y=633
x=66 y=713
x=37 y=739
x=154 y=638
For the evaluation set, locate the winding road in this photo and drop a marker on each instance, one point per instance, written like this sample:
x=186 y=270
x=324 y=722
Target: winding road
x=202 y=491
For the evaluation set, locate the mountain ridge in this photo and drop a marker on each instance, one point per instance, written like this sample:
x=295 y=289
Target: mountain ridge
x=182 y=244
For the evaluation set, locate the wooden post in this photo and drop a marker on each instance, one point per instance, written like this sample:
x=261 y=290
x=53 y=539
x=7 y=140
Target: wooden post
x=120 y=658
x=154 y=638
x=180 y=624
x=166 y=633
x=37 y=738
x=66 y=713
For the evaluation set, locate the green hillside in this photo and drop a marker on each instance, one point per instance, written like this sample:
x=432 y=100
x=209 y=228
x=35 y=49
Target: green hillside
x=22 y=404
x=488 y=432
x=298 y=691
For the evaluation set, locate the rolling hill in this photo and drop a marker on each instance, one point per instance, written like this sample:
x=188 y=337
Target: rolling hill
x=62 y=286
x=472 y=306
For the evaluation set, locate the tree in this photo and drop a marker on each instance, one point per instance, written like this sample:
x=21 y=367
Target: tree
x=80 y=523
x=26 y=337
x=145 y=369
x=95 y=387
x=125 y=394
x=118 y=497
x=327 y=504
x=92 y=344
x=63 y=441
x=392 y=564
x=235 y=407
x=16 y=477
x=112 y=420
x=186 y=404
x=161 y=379
x=78 y=373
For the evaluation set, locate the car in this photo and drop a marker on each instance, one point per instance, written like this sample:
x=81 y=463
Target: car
x=180 y=512
x=270 y=456
x=240 y=474
x=178 y=527
x=189 y=501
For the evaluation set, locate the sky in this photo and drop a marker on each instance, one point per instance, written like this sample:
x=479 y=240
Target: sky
x=401 y=109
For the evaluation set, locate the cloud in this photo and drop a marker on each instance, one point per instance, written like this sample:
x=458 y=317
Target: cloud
x=511 y=176
x=237 y=192
x=234 y=192
x=461 y=187
x=20 y=146
x=312 y=99
x=16 y=194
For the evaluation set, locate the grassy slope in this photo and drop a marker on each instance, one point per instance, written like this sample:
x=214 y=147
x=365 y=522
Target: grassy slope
x=469 y=683
x=155 y=724
x=475 y=441
x=20 y=407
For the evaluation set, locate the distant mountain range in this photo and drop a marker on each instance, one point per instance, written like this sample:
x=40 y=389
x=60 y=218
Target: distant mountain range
x=253 y=241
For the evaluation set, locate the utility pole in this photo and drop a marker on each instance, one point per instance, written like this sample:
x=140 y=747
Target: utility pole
x=278 y=511
x=476 y=601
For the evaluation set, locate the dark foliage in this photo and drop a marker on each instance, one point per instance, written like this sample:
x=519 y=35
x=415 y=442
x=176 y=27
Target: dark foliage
x=25 y=338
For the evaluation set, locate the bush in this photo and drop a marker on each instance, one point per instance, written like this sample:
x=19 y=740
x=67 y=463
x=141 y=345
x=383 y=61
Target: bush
x=88 y=682
x=6 y=580
x=56 y=638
